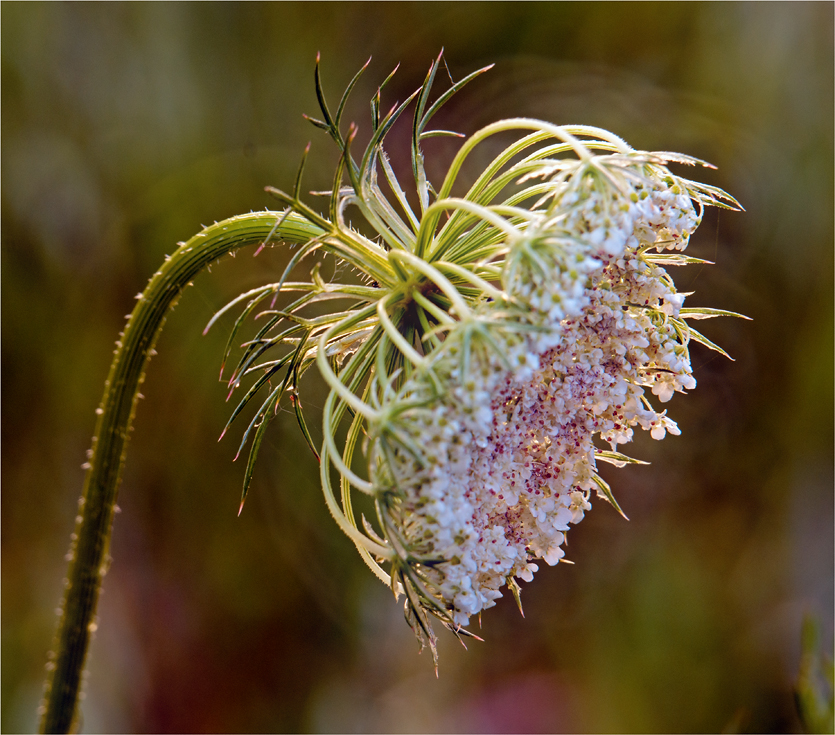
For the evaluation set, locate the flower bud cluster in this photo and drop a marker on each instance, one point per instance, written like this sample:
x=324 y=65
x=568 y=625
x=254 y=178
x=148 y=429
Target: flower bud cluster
x=489 y=473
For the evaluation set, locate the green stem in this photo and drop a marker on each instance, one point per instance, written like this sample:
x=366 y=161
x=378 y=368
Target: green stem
x=91 y=540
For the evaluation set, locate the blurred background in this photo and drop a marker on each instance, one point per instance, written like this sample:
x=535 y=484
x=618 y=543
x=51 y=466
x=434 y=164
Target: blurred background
x=125 y=127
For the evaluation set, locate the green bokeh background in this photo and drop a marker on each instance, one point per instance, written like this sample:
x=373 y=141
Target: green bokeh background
x=127 y=126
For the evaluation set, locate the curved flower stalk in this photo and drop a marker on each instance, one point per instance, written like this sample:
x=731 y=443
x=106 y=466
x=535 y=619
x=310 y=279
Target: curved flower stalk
x=88 y=554
x=502 y=343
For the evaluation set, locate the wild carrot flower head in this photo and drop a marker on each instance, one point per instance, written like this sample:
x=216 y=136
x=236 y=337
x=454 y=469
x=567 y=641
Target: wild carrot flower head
x=503 y=344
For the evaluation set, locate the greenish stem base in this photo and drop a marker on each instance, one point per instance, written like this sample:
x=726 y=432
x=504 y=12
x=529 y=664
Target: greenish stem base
x=88 y=552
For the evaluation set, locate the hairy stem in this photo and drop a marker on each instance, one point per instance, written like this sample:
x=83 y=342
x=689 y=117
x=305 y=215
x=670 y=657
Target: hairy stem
x=91 y=540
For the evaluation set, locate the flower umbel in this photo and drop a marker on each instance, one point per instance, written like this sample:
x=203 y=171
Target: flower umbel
x=504 y=342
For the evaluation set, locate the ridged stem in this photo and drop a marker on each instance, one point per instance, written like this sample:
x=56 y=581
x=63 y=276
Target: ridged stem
x=88 y=552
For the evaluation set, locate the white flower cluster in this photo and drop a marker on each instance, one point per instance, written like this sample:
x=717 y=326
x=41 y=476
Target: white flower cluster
x=490 y=472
